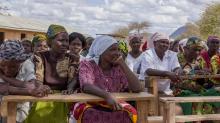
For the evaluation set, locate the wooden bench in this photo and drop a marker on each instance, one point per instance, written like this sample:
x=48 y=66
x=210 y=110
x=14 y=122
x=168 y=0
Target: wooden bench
x=153 y=89
x=169 y=115
x=151 y=82
x=9 y=103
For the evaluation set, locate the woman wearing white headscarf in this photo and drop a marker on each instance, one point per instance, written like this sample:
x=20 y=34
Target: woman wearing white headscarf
x=103 y=73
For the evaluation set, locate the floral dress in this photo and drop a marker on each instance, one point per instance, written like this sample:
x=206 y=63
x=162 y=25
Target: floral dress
x=195 y=87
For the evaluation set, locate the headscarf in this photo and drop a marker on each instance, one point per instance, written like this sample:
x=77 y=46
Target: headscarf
x=13 y=50
x=123 y=47
x=210 y=38
x=53 y=30
x=194 y=42
x=39 y=38
x=98 y=47
x=156 y=37
x=134 y=34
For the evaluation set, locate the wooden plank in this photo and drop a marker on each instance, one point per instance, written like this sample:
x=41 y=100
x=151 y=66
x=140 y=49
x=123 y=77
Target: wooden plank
x=187 y=118
x=191 y=99
x=142 y=110
x=155 y=119
x=79 y=97
x=4 y=109
x=12 y=110
x=169 y=113
x=190 y=76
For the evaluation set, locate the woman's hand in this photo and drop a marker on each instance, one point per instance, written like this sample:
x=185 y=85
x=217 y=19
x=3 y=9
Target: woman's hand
x=112 y=102
x=36 y=89
x=118 y=61
x=174 y=77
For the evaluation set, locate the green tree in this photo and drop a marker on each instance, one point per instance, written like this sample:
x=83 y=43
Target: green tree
x=139 y=26
x=210 y=21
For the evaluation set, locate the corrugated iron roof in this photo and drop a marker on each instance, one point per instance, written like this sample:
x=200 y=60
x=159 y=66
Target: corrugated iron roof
x=18 y=23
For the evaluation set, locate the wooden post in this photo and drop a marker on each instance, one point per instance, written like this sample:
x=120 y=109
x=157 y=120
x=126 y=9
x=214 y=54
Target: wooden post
x=154 y=90
x=169 y=114
x=142 y=110
x=12 y=111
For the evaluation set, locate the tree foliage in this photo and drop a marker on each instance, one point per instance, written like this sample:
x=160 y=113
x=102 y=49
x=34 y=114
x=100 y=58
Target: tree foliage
x=139 y=26
x=210 y=21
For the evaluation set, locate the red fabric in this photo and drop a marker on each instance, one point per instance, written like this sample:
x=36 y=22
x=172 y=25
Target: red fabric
x=207 y=59
x=144 y=47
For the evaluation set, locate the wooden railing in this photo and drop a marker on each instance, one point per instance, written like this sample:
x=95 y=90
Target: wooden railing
x=9 y=103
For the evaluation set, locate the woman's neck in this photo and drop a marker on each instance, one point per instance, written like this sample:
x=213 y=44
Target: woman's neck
x=160 y=54
x=105 y=65
x=211 y=53
x=188 y=58
x=135 y=53
x=56 y=56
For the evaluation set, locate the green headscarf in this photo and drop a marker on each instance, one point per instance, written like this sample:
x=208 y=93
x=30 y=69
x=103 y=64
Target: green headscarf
x=194 y=42
x=123 y=47
x=39 y=38
x=53 y=30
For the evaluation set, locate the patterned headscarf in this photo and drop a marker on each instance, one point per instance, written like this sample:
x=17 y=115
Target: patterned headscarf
x=123 y=47
x=13 y=50
x=134 y=34
x=210 y=38
x=156 y=37
x=99 y=46
x=53 y=30
x=194 y=42
x=39 y=38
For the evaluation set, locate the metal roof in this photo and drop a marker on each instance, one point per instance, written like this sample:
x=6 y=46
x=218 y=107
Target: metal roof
x=23 y=24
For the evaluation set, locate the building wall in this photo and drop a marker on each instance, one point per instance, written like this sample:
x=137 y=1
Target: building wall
x=16 y=34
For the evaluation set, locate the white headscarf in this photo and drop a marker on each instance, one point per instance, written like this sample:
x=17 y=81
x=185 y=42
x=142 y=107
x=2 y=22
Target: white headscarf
x=156 y=37
x=98 y=47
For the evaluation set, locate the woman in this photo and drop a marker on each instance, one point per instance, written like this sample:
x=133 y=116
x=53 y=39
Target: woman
x=213 y=44
x=39 y=43
x=106 y=72
x=77 y=44
x=27 y=46
x=53 y=69
x=89 y=41
x=17 y=76
x=134 y=56
x=191 y=64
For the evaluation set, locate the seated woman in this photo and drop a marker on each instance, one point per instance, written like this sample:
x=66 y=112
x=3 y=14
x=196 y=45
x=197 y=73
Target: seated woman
x=159 y=61
x=103 y=73
x=39 y=43
x=27 y=46
x=15 y=78
x=134 y=57
x=191 y=64
x=53 y=69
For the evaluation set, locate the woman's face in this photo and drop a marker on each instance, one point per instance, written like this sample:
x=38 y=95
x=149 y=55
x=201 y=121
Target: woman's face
x=162 y=45
x=135 y=44
x=27 y=46
x=75 y=46
x=111 y=54
x=193 y=52
x=10 y=68
x=60 y=43
x=213 y=45
x=41 y=46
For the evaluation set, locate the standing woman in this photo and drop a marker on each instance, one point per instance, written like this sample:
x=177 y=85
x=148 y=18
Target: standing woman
x=39 y=43
x=53 y=69
x=103 y=73
x=134 y=56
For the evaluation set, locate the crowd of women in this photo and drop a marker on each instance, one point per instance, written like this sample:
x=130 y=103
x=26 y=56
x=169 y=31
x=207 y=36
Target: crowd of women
x=58 y=62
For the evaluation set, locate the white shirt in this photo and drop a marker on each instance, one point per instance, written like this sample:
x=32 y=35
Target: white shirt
x=134 y=63
x=169 y=63
x=26 y=73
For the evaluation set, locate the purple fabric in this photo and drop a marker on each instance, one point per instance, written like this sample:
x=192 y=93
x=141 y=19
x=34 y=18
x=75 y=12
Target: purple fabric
x=91 y=73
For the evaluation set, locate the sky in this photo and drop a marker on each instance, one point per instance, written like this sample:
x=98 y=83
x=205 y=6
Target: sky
x=105 y=16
